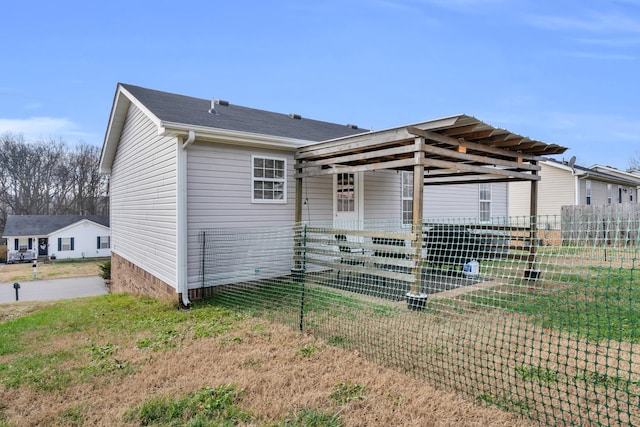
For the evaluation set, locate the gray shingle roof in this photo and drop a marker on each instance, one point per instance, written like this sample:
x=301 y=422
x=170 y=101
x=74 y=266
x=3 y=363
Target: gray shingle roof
x=42 y=225
x=182 y=109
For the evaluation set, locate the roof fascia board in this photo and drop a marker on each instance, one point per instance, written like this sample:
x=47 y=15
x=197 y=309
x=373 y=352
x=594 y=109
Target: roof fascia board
x=593 y=174
x=63 y=229
x=206 y=134
x=614 y=171
x=122 y=99
x=37 y=236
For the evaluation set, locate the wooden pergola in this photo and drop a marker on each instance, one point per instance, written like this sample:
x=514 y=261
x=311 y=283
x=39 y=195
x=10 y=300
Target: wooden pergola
x=453 y=150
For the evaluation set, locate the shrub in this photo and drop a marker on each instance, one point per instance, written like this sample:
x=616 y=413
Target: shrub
x=105 y=270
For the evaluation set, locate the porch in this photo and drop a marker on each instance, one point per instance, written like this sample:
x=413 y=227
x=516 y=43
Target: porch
x=450 y=151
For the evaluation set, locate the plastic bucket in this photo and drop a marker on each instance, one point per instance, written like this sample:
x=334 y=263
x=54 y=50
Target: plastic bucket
x=471 y=269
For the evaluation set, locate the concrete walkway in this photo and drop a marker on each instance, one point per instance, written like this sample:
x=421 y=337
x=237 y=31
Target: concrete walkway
x=40 y=290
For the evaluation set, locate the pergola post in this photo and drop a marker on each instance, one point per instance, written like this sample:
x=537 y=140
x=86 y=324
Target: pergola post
x=415 y=299
x=298 y=238
x=531 y=272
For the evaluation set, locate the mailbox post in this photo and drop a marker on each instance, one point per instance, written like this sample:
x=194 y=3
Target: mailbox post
x=35 y=269
x=16 y=286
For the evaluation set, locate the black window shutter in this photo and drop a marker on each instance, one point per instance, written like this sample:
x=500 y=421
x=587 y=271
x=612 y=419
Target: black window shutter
x=72 y=243
x=16 y=244
x=98 y=243
x=30 y=243
x=59 y=243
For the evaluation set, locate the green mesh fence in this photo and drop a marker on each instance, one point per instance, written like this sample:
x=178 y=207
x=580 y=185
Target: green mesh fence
x=544 y=323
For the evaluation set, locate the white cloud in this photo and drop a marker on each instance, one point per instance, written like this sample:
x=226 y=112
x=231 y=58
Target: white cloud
x=34 y=128
x=602 y=56
x=595 y=22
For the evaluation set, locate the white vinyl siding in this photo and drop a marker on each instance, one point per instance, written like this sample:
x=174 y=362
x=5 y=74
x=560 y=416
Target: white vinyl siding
x=317 y=193
x=144 y=198
x=382 y=195
x=499 y=200
x=219 y=194
x=451 y=201
x=556 y=188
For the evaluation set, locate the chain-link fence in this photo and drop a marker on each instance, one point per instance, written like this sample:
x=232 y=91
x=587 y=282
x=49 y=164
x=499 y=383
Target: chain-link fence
x=523 y=320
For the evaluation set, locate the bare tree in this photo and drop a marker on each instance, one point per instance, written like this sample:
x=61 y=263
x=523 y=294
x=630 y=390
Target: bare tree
x=634 y=162
x=89 y=187
x=48 y=178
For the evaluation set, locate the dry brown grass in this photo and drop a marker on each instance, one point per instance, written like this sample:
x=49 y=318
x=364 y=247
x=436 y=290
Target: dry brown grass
x=264 y=360
x=50 y=270
x=485 y=354
x=17 y=309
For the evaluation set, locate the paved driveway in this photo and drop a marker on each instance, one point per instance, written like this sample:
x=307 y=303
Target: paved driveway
x=39 y=290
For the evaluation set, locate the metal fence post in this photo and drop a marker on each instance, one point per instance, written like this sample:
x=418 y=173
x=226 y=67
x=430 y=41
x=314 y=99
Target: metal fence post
x=302 y=273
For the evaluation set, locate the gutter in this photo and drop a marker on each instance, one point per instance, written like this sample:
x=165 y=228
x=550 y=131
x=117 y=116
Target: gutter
x=181 y=232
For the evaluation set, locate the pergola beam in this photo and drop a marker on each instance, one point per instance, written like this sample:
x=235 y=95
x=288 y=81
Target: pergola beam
x=478 y=169
x=359 y=157
x=393 y=164
x=443 y=139
x=444 y=152
x=354 y=144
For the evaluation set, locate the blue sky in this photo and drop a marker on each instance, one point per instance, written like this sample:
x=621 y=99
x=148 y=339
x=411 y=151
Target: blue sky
x=561 y=71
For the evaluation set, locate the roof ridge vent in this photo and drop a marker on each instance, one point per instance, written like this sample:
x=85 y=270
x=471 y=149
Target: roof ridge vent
x=295 y=116
x=222 y=102
x=350 y=126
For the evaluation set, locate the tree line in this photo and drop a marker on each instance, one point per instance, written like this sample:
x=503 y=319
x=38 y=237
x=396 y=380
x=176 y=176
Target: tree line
x=49 y=177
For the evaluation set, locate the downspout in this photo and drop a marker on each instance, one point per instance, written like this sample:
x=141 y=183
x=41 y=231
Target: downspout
x=183 y=283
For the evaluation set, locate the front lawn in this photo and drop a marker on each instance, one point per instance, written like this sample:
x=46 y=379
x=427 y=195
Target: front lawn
x=51 y=270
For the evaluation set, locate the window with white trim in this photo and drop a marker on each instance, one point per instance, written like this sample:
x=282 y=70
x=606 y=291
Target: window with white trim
x=485 y=202
x=268 y=180
x=609 y=193
x=104 y=242
x=23 y=244
x=407 y=197
x=587 y=184
x=65 y=244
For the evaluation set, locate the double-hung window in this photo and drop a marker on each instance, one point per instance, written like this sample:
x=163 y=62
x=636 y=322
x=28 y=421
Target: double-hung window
x=407 y=197
x=588 y=191
x=65 y=243
x=23 y=244
x=485 y=202
x=268 y=180
x=104 y=242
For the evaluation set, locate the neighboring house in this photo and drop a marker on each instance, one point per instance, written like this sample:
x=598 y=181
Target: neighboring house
x=57 y=236
x=565 y=184
x=624 y=193
x=179 y=165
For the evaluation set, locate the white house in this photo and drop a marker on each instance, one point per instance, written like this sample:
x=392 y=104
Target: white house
x=57 y=236
x=565 y=184
x=180 y=164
